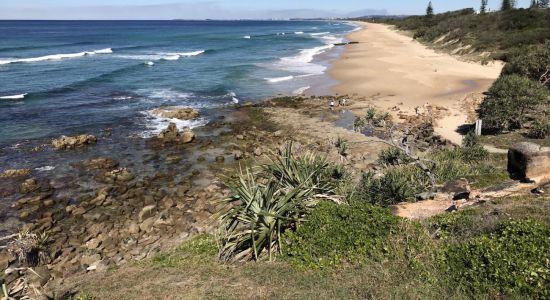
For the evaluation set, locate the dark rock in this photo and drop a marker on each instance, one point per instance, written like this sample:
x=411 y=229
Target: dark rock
x=29 y=185
x=72 y=142
x=172 y=135
x=176 y=113
x=426 y=196
x=101 y=163
x=15 y=173
x=238 y=155
x=460 y=188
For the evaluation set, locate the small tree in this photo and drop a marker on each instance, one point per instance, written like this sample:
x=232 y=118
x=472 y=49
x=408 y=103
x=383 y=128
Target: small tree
x=507 y=5
x=483 y=8
x=430 y=10
x=534 y=4
x=509 y=100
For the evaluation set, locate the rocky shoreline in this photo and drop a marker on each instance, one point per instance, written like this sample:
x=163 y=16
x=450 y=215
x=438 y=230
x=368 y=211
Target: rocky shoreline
x=104 y=213
x=123 y=216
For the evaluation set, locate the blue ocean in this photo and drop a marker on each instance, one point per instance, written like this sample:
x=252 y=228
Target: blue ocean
x=68 y=77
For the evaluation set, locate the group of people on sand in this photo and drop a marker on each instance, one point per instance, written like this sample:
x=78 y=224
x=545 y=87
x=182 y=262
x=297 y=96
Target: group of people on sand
x=341 y=102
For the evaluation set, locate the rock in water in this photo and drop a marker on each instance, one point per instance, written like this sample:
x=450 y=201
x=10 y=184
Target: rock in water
x=15 y=173
x=101 y=163
x=188 y=136
x=172 y=135
x=529 y=161
x=71 y=142
x=176 y=113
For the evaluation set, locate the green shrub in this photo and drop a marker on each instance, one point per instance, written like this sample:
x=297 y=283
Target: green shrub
x=509 y=100
x=397 y=184
x=472 y=147
x=462 y=225
x=371 y=115
x=264 y=205
x=514 y=260
x=539 y=129
x=532 y=61
x=339 y=233
x=359 y=123
x=393 y=156
x=459 y=163
x=197 y=250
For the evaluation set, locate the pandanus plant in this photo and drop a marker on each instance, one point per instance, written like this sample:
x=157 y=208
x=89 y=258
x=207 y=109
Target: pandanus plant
x=264 y=205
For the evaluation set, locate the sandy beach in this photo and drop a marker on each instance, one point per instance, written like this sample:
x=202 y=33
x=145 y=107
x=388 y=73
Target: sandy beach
x=391 y=69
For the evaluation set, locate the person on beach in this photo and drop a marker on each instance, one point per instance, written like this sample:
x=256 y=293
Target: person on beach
x=331 y=104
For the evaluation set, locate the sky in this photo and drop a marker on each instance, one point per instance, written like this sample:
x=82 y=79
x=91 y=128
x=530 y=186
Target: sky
x=221 y=9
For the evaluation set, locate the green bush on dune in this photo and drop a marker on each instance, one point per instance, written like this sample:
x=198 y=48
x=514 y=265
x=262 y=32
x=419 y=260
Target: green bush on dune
x=396 y=184
x=339 y=233
x=540 y=129
x=531 y=61
x=513 y=260
x=497 y=32
x=509 y=102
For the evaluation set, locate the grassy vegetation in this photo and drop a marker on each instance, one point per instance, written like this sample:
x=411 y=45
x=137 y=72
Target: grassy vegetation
x=504 y=141
x=511 y=260
x=496 y=32
x=506 y=240
x=402 y=181
x=340 y=233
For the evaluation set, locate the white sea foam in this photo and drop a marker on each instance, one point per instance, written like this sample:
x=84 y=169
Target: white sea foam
x=302 y=62
x=331 y=39
x=319 y=33
x=299 y=32
x=122 y=98
x=234 y=98
x=279 y=79
x=55 y=57
x=104 y=51
x=301 y=90
x=168 y=94
x=150 y=63
x=45 y=168
x=247 y=37
x=161 y=56
x=155 y=123
x=192 y=53
x=14 y=97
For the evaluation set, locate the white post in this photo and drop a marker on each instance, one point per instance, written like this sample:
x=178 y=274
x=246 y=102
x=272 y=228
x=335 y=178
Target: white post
x=479 y=124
